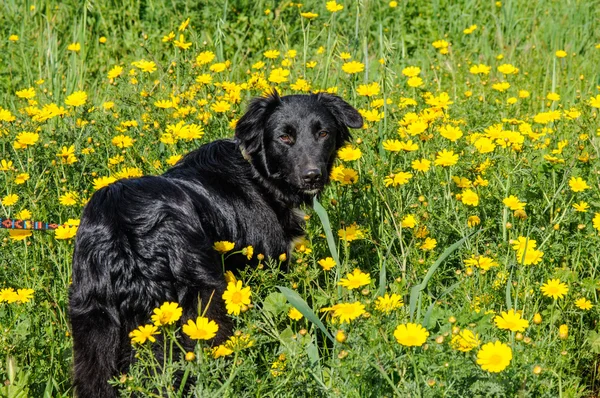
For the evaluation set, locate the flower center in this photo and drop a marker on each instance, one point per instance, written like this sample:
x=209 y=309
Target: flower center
x=236 y=298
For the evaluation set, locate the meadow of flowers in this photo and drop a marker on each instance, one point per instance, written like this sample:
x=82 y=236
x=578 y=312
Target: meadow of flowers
x=453 y=254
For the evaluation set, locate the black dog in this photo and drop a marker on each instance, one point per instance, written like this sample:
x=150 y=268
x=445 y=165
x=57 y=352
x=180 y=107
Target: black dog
x=148 y=240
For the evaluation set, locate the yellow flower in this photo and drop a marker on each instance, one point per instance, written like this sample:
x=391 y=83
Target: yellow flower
x=465 y=341
x=24 y=215
x=145 y=66
x=221 y=351
x=355 y=280
x=8 y=295
x=349 y=153
x=169 y=37
x=10 y=199
x=480 y=69
x=440 y=44
x=344 y=175
x=351 y=233
x=450 y=132
x=524 y=94
x=26 y=93
x=414 y=82
x=19 y=234
x=554 y=288
x=294 y=314
x=470 y=198
x=236 y=297
x=513 y=203
x=421 y=165
x=181 y=43
x=470 y=29
x=122 y=141
x=563 y=332
x=560 y=54
x=553 y=97
x=596 y=221
x=409 y=221
x=205 y=57
x=387 y=303
x=473 y=221
x=184 y=25
x=396 y=179
x=223 y=246
x=26 y=139
x=75 y=47
x=23 y=295
x=429 y=244
x=577 y=184
x=143 y=333
x=583 y=304
x=202 y=329
x=65 y=232
x=446 y=158
x=78 y=98
x=167 y=314
x=333 y=6
x=353 y=67
x=327 y=263
x=13 y=38
x=483 y=262
x=279 y=75
x=371 y=115
x=102 y=182
x=511 y=320
x=220 y=106
x=368 y=90
x=248 y=251
x=301 y=85
x=21 y=178
x=508 y=69
x=581 y=206
x=309 y=15
x=594 y=102
x=494 y=357
x=411 y=71
x=346 y=312
x=411 y=334
x=115 y=72
x=68 y=199
x=501 y=87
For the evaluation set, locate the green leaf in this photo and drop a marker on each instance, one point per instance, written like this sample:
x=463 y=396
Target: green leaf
x=416 y=290
x=275 y=303
x=322 y=213
x=297 y=302
x=383 y=271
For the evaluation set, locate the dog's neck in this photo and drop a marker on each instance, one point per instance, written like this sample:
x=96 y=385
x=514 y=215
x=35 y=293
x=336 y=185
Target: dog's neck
x=297 y=199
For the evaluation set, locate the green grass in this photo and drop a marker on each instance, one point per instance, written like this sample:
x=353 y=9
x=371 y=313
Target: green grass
x=299 y=358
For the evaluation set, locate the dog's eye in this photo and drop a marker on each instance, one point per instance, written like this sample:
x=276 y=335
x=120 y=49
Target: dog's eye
x=286 y=138
x=323 y=134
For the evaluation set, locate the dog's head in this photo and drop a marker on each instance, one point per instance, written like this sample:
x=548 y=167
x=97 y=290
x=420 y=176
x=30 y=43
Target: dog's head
x=292 y=140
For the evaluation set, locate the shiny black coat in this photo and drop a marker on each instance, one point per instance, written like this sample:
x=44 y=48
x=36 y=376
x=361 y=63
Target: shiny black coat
x=148 y=240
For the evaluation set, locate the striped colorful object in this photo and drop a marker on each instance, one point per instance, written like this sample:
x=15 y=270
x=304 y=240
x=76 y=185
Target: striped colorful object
x=22 y=224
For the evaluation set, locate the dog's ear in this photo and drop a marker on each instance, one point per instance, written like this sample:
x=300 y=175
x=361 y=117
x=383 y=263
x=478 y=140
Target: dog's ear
x=250 y=128
x=341 y=110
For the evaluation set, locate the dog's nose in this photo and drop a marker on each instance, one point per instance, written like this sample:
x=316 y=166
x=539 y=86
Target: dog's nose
x=311 y=175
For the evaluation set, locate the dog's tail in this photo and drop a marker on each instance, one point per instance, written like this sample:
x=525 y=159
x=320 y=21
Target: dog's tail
x=95 y=347
x=99 y=347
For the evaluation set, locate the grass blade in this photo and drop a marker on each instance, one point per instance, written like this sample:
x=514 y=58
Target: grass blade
x=416 y=290
x=322 y=213
x=296 y=301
